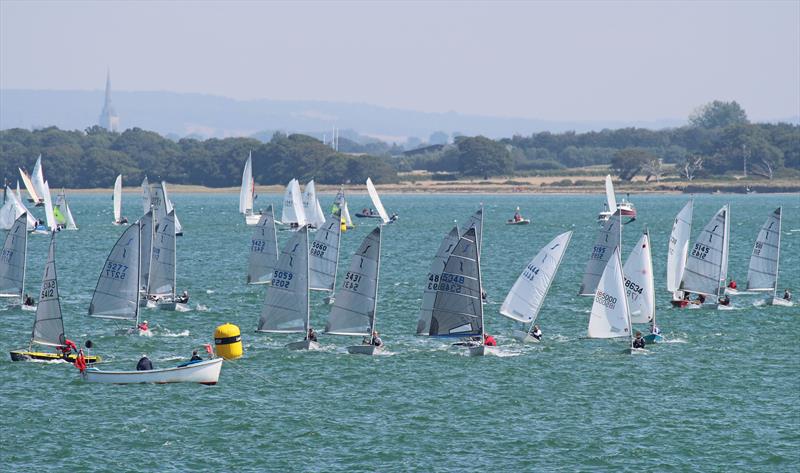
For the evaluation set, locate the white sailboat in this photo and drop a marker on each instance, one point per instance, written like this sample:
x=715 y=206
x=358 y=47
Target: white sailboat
x=376 y=201
x=155 y=196
x=13 y=260
x=116 y=295
x=608 y=239
x=341 y=210
x=286 y=305
x=263 y=250
x=12 y=210
x=62 y=212
x=762 y=274
x=678 y=251
x=163 y=266
x=354 y=311
x=33 y=195
x=610 y=316
x=311 y=207
x=146 y=197
x=323 y=260
x=626 y=208
x=34 y=183
x=117 y=198
x=707 y=263
x=48 y=326
x=525 y=299
x=293 y=213
x=169 y=207
x=640 y=286
x=50 y=217
x=247 y=193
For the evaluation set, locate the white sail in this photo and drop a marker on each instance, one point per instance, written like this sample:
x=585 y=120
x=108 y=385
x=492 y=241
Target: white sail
x=145 y=249
x=48 y=329
x=12 y=261
x=323 y=259
x=286 y=308
x=248 y=187
x=457 y=309
x=146 y=198
x=116 y=295
x=432 y=280
x=26 y=179
x=762 y=274
x=263 y=250
x=19 y=194
x=353 y=312
x=610 y=317
x=48 y=209
x=37 y=179
x=610 y=197
x=168 y=207
x=64 y=214
x=12 y=210
x=376 y=201
x=704 y=265
x=679 y=246
x=71 y=225
x=159 y=200
x=287 y=214
x=348 y=221
x=311 y=207
x=639 y=284
x=118 y=199
x=525 y=298
x=162 y=260
x=608 y=239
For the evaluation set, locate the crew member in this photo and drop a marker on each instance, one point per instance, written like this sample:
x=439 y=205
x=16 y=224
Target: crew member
x=489 y=340
x=638 y=342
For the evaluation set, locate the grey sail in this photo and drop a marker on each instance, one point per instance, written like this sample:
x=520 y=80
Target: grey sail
x=353 y=313
x=145 y=249
x=161 y=204
x=116 y=295
x=263 y=250
x=162 y=261
x=705 y=263
x=762 y=274
x=604 y=245
x=432 y=281
x=457 y=309
x=475 y=221
x=324 y=256
x=285 y=308
x=48 y=329
x=12 y=261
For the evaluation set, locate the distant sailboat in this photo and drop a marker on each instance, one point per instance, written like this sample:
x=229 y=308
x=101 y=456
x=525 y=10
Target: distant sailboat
x=354 y=311
x=707 y=264
x=155 y=196
x=610 y=316
x=286 y=305
x=293 y=213
x=247 y=193
x=63 y=213
x=311 y=207
x=340 y=210
x=48 y=209
x=525 y=299
x=607 y=240
x=762 y=274
x=678 y=251
x=376 y=202
x=163 y=266
x=34 y=183
x=626 y=208
x=117 y=198
x=324 y=258
x=13 y=260
x=263 y=250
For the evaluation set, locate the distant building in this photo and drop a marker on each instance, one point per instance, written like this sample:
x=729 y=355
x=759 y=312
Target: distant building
x=108 y=117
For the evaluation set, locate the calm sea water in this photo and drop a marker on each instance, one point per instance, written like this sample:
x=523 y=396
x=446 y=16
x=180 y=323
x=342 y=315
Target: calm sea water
x=720 y=395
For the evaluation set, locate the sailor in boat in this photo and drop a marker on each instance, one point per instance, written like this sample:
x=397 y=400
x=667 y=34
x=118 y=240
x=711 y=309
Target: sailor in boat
x=701 y=299
x=517 y=216
x=28 y=301
x=682 y=302
x=638 y=342
x=732 y=284
x=143 y=327
x=123 y=221
x=787 y=296
x=144 y=364
x=724 y=300
x=183 y=298
x=68 y=347
x=376 y=339
x=489 y=340
x=366 y=211
x=654 y=329
x=536 y=332
x=393 y=218
x=312 y=335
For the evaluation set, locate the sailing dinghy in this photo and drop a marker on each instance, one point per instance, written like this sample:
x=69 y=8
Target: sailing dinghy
x=313 y=211
x=707 y=264
x=48 y=326
x=323 y=258
x=608 y=239
x=202 y=372
x=34 y=183
x=13 y=260
x=625 y=208
x=339 y=209
x=525 y=299
x=286 y=305
x=163 y=266
x=117 y=198
x=678 y=251
x=263 y=250
x=293 y=213
x=376 y=202
x=62 y=212
x=762 y=274
x=610 y=316
x=353 y=312
x=640 y=287
x=247 y=193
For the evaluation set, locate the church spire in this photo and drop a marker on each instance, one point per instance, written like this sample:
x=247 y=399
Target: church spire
x=108 y=117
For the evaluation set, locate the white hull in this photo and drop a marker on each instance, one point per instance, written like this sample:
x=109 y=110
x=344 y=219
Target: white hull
x=174 y=306
x=482 y=350
x=252 y=219
x=205 y=372
x=523 y=337
x=724 y=307
x=780 y=301
x=364 y=350
x=32 y=308
x=303 y=345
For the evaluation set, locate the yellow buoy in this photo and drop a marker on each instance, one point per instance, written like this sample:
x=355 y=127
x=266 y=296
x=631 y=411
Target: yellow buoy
x=343 y=225
x=228 y=341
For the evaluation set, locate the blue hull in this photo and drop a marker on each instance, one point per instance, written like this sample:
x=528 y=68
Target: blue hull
x=652 y=338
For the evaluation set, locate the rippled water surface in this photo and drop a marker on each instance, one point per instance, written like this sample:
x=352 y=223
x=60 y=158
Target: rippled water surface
x=720 y=395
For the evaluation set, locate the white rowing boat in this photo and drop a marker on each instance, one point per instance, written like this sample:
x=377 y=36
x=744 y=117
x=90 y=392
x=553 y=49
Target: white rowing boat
x=203 y=372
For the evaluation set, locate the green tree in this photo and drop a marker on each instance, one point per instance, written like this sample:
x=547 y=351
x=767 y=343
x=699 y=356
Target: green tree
x=628 y=162
x=480 y=156
x=718 y=114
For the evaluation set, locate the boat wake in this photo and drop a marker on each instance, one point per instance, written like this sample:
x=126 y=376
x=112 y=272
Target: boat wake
x=168 y=333
x=759 y=303
x=201 y=308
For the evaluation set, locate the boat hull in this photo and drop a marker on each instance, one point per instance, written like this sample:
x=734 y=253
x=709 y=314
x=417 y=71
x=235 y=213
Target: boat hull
x=21 y=355
x=252 y=219
x=524 y=337
x=360 y=215
x=365 y=350
x=482 y=350
x=780 y=301
x=204 y=372
x=653 y=338
x=303 y=345
x=173 y=306
x=524 y=221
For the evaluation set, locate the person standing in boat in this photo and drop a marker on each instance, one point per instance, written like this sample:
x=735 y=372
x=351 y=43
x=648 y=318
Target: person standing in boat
x=536 y=332
x=638 y=342
x=144 y=364
x=787 y=295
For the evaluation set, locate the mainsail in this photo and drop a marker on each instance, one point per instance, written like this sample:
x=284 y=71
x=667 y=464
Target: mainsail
x=525 y=298
x=168 y=207
x=162 y=260
x=611 y=199
x=48 y=329
x=146 y=249
x=293 y=205
x=706 y=267
x=610 y=316
x=26 y=179
x=118 y=198
x=679 y=247
x=762 y=275
x=263 y=250
x=48 y=209
x=62 y=212
x=608 y=240
x=376 y=201
x=37 y=179
x=457 y=309
x=311 y=207
x=432 y=281
x=323 y=258
x=353 y=312
x=116 y=295
x=286 y=308
x=247 y=190
x=12 y=261
x=146 y=197
x=639 y=285
x=12 y=210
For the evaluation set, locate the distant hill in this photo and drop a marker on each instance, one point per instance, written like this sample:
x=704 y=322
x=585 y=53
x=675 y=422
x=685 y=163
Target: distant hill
x=178 y=114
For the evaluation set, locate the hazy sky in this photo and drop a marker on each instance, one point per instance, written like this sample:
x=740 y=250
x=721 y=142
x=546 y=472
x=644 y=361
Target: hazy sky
x=550 y=60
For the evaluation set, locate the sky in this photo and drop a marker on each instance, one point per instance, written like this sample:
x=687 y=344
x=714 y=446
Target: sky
x=568 y=60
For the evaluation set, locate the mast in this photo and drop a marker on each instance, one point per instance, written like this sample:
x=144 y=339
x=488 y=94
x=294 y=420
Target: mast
x=138 y=272
x=723 y=267
x=174 y=263
x=308 y=281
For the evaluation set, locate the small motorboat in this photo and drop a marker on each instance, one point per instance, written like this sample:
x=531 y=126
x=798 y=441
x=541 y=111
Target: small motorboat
x=368 y=213
x=203 y=372
x=517 y=219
